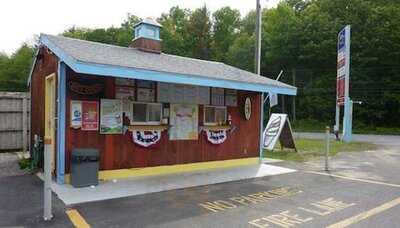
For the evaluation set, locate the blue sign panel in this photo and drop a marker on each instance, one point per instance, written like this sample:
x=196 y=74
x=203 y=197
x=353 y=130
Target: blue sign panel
x=342 y=39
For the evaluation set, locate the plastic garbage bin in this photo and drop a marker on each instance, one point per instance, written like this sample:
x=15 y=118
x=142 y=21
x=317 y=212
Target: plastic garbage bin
x=84 y=167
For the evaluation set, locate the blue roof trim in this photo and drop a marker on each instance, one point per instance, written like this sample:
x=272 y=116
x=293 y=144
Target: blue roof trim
x=134 y=73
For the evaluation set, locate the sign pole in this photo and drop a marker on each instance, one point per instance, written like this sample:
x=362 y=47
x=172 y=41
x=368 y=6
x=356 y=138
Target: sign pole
x=47 y=211
x=257 y=71
x=342 y=84
x=347 y=122
x=337 y=121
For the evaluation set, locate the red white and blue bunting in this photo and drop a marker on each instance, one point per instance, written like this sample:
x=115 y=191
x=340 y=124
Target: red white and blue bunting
x=216 y=136
x=146 y=138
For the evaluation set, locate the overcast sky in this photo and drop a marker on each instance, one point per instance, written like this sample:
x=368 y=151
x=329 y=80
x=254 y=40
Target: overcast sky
x=20 y=20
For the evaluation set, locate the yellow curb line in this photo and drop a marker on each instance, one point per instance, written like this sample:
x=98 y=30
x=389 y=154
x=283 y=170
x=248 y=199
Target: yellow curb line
x=366 y=214
x=77 y=219
x=107 y=175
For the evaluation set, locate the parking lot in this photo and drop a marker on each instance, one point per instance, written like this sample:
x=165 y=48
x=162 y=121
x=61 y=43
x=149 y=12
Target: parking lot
x=362 y=190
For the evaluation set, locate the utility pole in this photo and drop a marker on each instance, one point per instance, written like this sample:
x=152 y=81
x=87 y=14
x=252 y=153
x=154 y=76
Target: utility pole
x=257 y=61
x=258 y=39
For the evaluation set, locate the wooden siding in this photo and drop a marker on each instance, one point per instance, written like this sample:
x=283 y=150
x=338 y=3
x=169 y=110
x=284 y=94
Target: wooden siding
x=146 y=44
x=118 y=151
x=45 y=65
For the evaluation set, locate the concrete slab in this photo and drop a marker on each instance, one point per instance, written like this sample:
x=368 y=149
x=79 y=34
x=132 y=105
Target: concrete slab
x=137 y=186
x=271 y=160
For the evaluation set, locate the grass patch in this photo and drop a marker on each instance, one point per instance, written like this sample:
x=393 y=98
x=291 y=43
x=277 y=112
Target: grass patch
x=314 y=148
x=24 y=163
x=309 y=125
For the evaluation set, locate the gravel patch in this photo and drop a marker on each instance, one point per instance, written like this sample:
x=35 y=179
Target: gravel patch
x=9 y=165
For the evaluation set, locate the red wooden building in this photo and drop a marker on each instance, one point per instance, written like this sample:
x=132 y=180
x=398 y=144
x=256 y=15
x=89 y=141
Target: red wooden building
x=140 y=107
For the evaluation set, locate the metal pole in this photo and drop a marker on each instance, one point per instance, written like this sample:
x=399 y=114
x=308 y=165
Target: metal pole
x=336 y=128
x=257 y=71
x=258 y=39
x=294 y=97
x=327 y=148
x=47 y=211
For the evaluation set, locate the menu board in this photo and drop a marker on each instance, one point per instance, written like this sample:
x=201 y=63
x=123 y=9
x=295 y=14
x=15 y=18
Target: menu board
x=178 y=93
x=125 y=82
x=231 y=97
x=217 y=96
x=144 y=94
x=163 y=92
x=190 y=94
x=145 y=84
x=126 y=108
x=184 y=122
x=111 y=116
x=203 y=95
x=125 y=93
x=90 y=115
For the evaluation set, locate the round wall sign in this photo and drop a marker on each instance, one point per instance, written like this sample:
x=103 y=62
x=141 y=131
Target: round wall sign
x=247 y=108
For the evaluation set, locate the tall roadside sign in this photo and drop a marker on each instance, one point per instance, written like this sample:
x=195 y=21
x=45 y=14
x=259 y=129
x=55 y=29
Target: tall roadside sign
x=342 y=84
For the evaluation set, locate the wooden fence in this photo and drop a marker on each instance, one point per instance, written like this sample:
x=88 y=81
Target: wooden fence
x=14 y=121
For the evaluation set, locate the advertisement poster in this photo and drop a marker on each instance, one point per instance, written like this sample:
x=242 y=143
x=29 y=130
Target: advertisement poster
x=111 y=116
x=184 y=122
x=90 y=115
x=76 y=114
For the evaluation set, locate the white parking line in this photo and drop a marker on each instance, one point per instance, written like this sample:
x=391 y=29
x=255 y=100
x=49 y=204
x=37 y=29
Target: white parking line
x=355 y=179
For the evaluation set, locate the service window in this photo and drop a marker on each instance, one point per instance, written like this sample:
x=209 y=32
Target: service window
x=146 y=113
x=214 y=115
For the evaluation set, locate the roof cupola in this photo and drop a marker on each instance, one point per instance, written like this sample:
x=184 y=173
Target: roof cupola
x=147 y=36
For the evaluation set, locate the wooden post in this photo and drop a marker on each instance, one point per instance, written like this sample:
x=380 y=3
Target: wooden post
x=24 y=124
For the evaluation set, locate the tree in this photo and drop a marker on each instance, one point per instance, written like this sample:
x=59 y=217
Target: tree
x=199 y=31
x=226 y=22
x=280 y=38
x=174 y=31
x=241 y=53
x=14 y=70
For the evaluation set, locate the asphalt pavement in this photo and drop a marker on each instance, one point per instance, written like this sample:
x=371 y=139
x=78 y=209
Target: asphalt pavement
x=362 y=189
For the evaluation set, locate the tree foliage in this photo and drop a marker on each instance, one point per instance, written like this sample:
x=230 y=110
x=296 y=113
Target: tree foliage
x=298 y=36
x=15 y=68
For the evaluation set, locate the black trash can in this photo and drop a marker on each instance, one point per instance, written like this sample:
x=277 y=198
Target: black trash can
x=84 y=167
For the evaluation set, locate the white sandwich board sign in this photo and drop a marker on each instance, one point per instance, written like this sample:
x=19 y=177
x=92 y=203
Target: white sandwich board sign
x=278 y=127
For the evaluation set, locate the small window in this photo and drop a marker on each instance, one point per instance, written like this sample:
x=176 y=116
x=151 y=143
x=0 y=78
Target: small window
x=146 y=113
x=214 y=115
